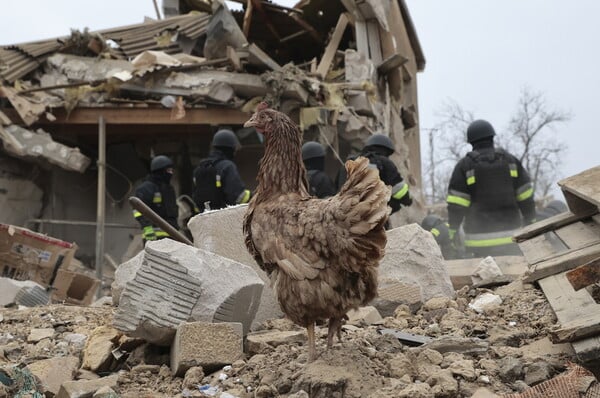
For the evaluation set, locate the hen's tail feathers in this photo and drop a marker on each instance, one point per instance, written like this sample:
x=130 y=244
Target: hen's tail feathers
x=363 y=208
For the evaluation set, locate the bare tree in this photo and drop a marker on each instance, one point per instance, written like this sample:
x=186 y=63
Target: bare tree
x=530 y=136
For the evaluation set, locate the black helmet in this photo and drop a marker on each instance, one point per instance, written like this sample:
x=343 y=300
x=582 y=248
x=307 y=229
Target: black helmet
x=380 y=140
x=478 y=130
x=225 y=138
x=312 y=149
x=430 y=221
x=160 y=162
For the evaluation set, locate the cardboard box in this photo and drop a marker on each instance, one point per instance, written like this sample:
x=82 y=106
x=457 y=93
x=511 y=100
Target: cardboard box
x=74 y=288
x=28 y=255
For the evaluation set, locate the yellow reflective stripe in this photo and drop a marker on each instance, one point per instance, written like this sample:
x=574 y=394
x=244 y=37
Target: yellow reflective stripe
x=489 y=242
x=471 y=180
x=136 y=214
x=457 y=200
x=525 y=195
x=244 y=197
x=514 y=173
x=218 y=181
x=157 y=199
x=403 y=191
x=435 y=232
x=161 y=233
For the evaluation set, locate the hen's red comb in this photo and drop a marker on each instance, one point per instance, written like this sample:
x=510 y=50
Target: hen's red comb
x=262 y=106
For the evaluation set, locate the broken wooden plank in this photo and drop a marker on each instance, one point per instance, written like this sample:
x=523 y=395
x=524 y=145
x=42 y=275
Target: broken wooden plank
x=562 y=262
x=549 y=224
x=234 y=59
x=460 y=270
x=569 y=307
x=585 y=275
x=584 y=185
x=247 y=18
x=579 y=234
x=27 y=110
x=542 y=247
x=353 y=9
x=581 y=328
x=332 y=46
x=257 y=57
x=308 y=27
x=577 y=204
x=390 y=63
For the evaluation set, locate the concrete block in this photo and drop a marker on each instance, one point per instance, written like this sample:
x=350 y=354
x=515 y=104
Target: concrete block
x=53 y=372
x=364 y=315
x=124 y=274
x=178 y=283
x=220 y=232
x=395 y=294
x=412 y=256
x=86 y=388
x=209 y=345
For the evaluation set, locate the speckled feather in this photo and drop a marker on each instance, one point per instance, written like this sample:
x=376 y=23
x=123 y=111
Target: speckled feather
x=321 y=254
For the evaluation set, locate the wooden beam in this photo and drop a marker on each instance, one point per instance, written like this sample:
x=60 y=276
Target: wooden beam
x=550 y=224
x=333 y=45
x=584 y=185
x=392 y=62
x=141 y=116
x=267 y=21
x=585 y=275
x=308 y=27
x=562 y=262
x=584 y=327
x=257 y=56
x=247 y=18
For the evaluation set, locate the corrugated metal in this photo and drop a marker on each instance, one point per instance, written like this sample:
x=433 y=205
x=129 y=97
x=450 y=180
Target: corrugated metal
x=18 y=60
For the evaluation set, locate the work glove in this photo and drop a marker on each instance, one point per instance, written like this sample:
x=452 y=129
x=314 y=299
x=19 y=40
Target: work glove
x=149 y=233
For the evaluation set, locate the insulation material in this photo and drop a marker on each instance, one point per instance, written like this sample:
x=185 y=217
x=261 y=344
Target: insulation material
x=151 y=60
x=577 y=382
x=28 y=144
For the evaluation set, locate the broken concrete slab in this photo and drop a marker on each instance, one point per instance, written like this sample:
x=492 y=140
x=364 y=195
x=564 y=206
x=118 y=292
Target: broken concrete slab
x=97 y=354
x=178 y=283
x=463 y=345
x=26 y=293
x=88 y=69
x=395 y=294
x=364 y=316
x=257 y=342
x=36 y=334
x=124 y=274
x=86 y=388
x=53 y=372
x=413 y=256
x=209 y=345
x=222 y=31
x=28 y=144
x=208 y=230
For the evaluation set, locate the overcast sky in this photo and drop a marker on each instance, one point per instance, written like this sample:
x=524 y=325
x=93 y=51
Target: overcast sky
x=479 y=53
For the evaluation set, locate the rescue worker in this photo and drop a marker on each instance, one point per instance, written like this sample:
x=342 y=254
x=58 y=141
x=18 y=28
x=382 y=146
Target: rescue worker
x=217 y=182
x=159 y=195
x=378 y=149
x=319 y=184
x=441 y=232
x=492 y=193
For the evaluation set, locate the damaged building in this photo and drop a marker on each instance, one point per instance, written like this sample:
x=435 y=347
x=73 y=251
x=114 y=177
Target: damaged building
x=343 y=70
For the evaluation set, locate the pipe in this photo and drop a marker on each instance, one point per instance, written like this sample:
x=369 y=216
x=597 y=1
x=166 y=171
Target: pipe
x=140 y=206
x=101 y=203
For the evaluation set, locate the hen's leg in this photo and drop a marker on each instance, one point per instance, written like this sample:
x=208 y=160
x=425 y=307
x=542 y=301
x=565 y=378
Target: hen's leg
x=312 y=351
x=335 y=327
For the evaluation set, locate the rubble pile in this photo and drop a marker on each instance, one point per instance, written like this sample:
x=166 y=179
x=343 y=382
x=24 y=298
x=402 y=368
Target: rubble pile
x=503 y=349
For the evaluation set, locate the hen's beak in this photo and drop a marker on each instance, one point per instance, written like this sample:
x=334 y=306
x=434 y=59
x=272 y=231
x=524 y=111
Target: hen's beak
x=251 y=122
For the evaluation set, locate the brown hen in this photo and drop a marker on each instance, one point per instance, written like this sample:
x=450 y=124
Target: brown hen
x=321 y=254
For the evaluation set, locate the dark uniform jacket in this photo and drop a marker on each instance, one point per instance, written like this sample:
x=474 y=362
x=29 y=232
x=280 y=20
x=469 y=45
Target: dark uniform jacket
x=492 y=192
x=319 y=184
x=230 y=184
x=160 y=197
x=388 y=172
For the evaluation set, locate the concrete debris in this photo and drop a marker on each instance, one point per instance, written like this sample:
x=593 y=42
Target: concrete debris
x=53 y=372
x=86 y=388
x=28 y=144
x=222 y=31
x=27 y=293
x=209 y=345
x=125 y=274
x=97 y=354
x=208 y=230
x=487 y=269
x=486 y=302
x=35 y=335
x=265 y=340
x=77 y=69
x=364 y=316
x=178 y=283
x=395 y=294
x=412 y=256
